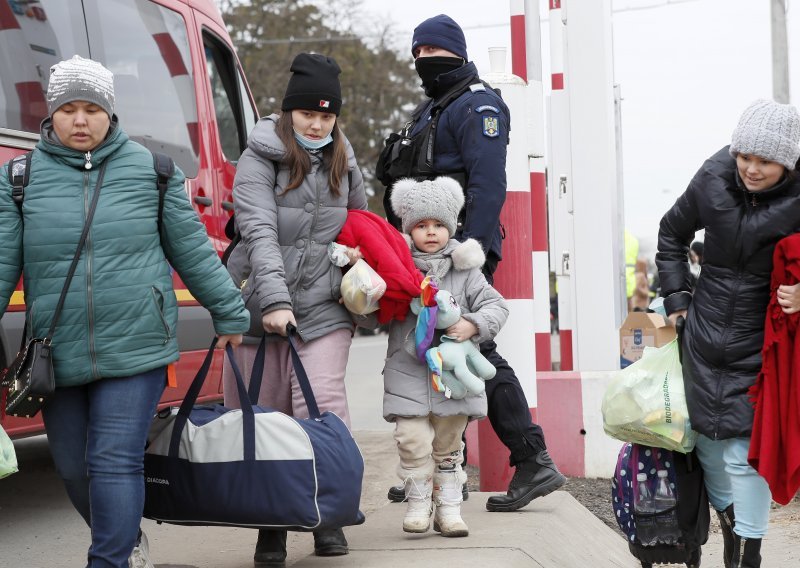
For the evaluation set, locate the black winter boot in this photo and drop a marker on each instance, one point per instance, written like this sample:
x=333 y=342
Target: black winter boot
x=726 y=523
x=534 y=477
x=330 y=542
x=397 y=493
x=270 y=549
x=746 y=552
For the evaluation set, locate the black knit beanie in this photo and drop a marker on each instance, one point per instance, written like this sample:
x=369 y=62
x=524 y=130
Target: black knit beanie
x=314 y=84
x=440 y=31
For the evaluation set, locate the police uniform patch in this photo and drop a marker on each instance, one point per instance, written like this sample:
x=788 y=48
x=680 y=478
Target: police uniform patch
x=488 y=107
x=491 y=126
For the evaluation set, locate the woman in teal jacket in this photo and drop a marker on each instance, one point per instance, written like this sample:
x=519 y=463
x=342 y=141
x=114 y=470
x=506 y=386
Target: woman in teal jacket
x=116 y=333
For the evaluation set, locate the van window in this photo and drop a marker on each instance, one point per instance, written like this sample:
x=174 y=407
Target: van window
x=149 y=56
x=250 y=116
x=234 y=112
x=33 y=39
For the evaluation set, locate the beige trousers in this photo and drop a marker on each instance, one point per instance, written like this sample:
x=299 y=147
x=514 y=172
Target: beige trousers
x=427 y=441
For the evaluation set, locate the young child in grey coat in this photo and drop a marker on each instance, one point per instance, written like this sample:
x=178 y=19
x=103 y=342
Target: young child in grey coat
x=428 y=424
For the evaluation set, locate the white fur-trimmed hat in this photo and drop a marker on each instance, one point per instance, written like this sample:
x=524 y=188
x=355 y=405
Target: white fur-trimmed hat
x=440 y=199
x=770 y=131
x=79 y=79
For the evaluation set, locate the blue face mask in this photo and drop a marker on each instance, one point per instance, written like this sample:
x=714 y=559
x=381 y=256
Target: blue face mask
x=310 y=144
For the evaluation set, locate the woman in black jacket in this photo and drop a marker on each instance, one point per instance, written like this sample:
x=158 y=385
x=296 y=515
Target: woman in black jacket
x=746 y=197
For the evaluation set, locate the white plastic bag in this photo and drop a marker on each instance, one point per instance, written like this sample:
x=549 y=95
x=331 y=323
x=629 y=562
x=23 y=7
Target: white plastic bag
x=8 y=458
x=362 y=287
x=645 y=402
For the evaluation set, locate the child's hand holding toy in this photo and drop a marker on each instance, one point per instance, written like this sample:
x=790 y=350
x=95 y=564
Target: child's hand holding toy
x=462 y=330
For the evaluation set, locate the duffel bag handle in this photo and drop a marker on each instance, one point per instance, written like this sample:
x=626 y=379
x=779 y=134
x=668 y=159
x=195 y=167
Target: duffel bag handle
x=302 y=377
x=257 y=372
x=246 y=399
x=248 y=429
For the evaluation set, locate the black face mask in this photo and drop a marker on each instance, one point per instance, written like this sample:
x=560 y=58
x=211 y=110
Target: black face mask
x=429 y=69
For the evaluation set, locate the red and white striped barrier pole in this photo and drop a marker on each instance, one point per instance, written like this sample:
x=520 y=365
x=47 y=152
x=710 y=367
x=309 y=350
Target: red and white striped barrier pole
x=562 y=256
x=538 y=182
x=19 y=68
x=514 y=274
x=556 y=46
x=519 y=55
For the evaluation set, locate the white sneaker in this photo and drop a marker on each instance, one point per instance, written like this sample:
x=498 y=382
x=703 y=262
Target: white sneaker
x=418 y=510
x=140 y=557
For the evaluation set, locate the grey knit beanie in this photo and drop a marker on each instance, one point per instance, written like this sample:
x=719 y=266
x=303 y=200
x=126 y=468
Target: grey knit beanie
x=440 y=199
x=80 y=79
x=770 y=131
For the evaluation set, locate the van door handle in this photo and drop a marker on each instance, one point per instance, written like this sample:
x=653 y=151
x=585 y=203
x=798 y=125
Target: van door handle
x=227 y=205
x=205 y=201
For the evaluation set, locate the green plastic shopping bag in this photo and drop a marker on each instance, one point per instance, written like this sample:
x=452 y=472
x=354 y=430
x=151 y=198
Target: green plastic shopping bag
x=645 y=403
x=8 y=458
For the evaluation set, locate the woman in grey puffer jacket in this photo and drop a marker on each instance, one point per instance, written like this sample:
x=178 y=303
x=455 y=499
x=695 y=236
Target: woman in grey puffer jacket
x=294 y=185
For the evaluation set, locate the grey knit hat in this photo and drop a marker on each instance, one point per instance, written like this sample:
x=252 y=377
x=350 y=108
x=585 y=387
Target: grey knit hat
x=770 y=131
x=440 y=199
x=80 y=79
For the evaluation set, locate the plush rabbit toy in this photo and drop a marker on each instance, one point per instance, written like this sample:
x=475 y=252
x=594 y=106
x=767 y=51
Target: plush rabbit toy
x=459 y=369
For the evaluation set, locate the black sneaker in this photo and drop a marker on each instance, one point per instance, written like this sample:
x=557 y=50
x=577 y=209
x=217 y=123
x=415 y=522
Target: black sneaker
x=397 y=493
x=535 y=477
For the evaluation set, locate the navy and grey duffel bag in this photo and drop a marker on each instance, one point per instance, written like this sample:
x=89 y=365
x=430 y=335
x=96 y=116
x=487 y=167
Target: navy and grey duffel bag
x=254 y=467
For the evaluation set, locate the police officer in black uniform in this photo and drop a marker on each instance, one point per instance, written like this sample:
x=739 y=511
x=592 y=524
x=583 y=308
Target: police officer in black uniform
x=461 y=130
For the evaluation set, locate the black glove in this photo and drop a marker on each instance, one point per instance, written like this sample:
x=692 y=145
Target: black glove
x=680 y=323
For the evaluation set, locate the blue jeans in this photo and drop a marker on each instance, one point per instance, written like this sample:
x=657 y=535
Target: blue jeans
x=731 y=480
x=97 y=434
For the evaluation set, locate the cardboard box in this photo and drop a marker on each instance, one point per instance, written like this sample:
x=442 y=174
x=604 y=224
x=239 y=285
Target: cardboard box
x=639 y=330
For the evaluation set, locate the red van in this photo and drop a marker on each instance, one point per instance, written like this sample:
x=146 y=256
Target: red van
x=179 y=89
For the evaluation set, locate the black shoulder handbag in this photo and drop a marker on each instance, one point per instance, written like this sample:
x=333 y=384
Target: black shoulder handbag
x=29 y=378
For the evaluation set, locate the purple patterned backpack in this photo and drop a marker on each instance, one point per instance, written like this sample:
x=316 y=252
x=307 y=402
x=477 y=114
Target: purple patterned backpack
x=685 y=477
x=634 y=459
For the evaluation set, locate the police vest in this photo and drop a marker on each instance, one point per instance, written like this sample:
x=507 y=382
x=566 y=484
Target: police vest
x=407 y=156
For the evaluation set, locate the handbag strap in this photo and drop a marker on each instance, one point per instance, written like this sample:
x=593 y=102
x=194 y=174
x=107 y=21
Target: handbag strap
x=49 y=337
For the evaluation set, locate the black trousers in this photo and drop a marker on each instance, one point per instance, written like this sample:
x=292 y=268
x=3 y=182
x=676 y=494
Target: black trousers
x=509 y=412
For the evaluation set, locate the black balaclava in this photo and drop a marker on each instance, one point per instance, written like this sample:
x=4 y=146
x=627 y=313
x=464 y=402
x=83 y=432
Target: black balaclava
x=429 y=69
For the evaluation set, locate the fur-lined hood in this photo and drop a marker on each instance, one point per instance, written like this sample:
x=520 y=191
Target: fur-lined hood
x=466 y=255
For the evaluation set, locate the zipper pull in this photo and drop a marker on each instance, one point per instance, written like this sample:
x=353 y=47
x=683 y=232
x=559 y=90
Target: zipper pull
x=88 y=158
x=754 y=200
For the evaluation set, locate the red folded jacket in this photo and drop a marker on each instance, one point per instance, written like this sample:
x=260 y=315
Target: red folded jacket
x=775 y=441
x=387 y=252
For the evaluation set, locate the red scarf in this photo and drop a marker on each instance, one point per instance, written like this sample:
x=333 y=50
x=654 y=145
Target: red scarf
x=775 y=441
x=386 y=251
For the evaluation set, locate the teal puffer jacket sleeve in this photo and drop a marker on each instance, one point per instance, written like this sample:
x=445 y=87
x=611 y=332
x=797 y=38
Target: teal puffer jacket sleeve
x=10 y=242
x=189 y=251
